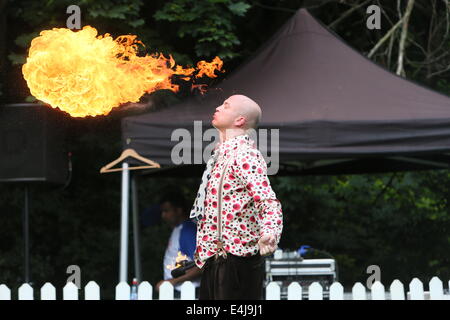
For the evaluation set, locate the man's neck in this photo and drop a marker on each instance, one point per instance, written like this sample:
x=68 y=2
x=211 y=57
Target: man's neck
x=227 y=134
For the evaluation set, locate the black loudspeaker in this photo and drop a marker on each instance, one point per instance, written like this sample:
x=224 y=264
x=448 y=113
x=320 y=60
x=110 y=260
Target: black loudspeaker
x=32 y=144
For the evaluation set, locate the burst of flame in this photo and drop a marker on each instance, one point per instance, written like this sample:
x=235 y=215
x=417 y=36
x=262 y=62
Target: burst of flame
x=88 y=75
x=180 y=257
x=208 y=68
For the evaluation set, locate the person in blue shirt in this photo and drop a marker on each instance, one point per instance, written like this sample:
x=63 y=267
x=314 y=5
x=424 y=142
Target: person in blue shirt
x=182 y=239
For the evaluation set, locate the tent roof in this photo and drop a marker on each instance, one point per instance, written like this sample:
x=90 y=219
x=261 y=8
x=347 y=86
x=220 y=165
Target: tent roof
x=328 y=102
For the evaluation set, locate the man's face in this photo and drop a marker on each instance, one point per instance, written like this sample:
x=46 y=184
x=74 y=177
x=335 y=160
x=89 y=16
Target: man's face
x=226 y=114
x=170 y=214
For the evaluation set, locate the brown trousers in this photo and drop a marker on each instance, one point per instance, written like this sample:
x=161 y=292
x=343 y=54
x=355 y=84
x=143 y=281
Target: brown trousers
x=232 y=278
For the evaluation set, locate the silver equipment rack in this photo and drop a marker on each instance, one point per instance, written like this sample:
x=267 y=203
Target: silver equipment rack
x=287 y=267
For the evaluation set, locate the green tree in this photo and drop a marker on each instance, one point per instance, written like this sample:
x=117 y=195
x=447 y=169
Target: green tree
x=211 y=23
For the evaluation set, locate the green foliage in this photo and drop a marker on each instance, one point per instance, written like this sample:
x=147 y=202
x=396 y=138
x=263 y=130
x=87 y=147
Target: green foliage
x=54 y=12
x=17 y=59
x=24 y=40
x=122 y=13
x=210 y=22
x=239 y=8
x=125 y=10
x=361 y=220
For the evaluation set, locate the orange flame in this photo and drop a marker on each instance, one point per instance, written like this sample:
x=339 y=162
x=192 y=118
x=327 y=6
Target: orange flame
x=208 y=68
x=180 y=257
x=88 y=75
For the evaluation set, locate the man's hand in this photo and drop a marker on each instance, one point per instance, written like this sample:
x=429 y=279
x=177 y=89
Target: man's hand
x=267 y=244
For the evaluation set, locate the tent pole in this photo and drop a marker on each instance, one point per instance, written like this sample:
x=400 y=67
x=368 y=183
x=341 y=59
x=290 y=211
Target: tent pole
x=124 y=225
x=136 y=235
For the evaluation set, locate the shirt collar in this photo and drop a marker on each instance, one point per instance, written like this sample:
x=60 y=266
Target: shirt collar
x=233 y=143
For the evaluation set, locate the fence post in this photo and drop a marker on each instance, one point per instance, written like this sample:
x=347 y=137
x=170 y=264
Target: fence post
x=273 y=291
x=397 y=290
x=436 y=289
x=336 y=291
x=166 y=291
x=145 y=291
x=48 y=292
x=92 y=291
x=123 y=291
x=5 y=292
x=294 y=291
x=70 y=291
x=187 y=291
x=416 y=289
x=359 y=292
x=26 y=292
x=377 y=291
x=315 y=291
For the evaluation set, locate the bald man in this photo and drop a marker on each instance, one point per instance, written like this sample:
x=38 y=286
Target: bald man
x=236 y=192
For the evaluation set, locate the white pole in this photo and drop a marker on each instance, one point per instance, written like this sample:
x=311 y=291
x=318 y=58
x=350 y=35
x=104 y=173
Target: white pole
x=136 y=236
x=124 y=225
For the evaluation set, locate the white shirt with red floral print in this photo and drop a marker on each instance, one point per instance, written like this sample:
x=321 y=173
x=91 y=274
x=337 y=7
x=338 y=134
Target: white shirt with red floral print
x=249 y=205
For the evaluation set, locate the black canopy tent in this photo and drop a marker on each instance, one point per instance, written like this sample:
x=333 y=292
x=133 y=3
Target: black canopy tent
x=337 y=112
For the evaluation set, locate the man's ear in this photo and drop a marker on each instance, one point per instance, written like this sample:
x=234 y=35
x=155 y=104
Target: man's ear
x=240 y=122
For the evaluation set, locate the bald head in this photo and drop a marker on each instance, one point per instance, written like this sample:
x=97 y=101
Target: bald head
x=247 y=108
x=237 y=112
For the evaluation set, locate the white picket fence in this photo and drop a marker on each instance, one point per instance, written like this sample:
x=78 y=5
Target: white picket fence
x=315 y=291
